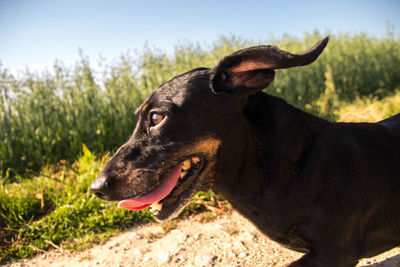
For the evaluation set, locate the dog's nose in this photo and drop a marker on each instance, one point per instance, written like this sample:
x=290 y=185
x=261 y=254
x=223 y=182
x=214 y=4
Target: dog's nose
x=100 y=186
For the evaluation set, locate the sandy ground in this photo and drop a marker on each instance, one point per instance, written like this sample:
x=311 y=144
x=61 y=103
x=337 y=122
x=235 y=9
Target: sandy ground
x=227 y=240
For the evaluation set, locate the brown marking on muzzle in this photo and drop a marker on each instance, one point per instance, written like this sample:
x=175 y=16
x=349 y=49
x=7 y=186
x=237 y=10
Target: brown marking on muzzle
x=208 y=147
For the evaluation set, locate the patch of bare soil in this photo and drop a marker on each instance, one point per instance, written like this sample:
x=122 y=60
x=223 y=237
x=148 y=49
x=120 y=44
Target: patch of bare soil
x=227 y=240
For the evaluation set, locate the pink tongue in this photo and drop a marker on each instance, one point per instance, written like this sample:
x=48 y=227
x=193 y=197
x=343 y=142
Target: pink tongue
x=154 y=196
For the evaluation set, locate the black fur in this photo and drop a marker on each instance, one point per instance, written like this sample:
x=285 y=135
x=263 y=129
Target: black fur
x=331 y=190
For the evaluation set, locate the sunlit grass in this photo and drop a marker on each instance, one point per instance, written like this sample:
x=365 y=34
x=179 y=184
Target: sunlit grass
x=369 y=109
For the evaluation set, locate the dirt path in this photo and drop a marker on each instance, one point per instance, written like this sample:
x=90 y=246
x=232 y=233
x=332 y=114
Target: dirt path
x=228 y=240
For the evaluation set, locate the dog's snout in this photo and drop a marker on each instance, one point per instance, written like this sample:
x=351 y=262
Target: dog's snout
x=100 y=186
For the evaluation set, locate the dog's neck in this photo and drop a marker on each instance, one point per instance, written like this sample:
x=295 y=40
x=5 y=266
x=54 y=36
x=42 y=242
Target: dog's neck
x=273 y=133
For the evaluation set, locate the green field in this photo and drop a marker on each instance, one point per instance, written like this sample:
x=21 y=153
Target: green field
x=57 y=129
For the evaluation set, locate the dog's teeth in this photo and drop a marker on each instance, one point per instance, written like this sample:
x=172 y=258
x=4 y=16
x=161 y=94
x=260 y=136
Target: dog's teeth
x=157 y=205
x=155 y=208
x=186 y=165
x=183 y=173
x=154 y=211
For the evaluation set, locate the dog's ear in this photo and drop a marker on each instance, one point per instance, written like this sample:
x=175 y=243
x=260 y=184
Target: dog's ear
x=252 y=69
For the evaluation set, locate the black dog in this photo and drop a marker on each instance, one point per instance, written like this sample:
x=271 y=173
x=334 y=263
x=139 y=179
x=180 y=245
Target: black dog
x=331 y=190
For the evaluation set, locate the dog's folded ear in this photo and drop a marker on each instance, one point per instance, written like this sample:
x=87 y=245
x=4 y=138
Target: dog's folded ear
x=252 y=69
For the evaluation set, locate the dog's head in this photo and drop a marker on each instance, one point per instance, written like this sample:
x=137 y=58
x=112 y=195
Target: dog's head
x=182 y=126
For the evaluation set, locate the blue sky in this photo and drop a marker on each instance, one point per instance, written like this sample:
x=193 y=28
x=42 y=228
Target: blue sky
x=34 y=34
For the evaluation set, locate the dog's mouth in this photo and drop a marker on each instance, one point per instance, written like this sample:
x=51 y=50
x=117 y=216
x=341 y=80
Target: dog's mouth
x=174 y=191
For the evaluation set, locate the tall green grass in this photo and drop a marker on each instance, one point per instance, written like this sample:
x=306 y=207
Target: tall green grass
x=46 y=117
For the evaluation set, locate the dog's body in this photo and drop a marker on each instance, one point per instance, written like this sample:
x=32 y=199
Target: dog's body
x=336 y=195
x=331 y=190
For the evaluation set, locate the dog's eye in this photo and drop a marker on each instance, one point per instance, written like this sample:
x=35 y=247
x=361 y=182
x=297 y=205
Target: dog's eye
x=156 y=118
